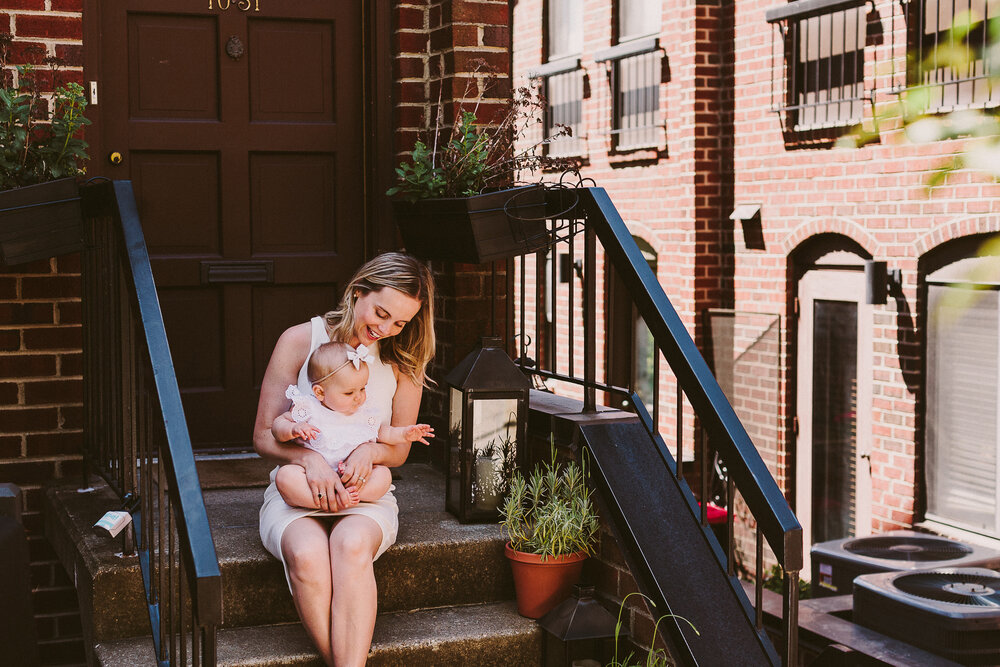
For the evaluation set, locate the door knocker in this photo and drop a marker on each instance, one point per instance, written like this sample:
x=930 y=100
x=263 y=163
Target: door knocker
x=234 y=48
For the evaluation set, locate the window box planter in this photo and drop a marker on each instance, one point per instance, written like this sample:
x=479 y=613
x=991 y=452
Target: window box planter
x=477 y=229
x=39 y=221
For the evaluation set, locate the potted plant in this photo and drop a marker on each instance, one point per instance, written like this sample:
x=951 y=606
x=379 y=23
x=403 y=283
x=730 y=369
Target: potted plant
x=551 y=524
x=455 y=200
x=41 y=153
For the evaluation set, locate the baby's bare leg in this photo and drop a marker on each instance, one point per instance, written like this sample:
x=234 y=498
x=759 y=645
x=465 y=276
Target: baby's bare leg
x=376 y=485
x=294 y=487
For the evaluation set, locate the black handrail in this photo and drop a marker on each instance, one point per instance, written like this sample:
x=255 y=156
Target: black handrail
x=720 y=426
x=136 y=435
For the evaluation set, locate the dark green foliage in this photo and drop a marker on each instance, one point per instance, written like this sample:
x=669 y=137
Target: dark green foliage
x=39 y=138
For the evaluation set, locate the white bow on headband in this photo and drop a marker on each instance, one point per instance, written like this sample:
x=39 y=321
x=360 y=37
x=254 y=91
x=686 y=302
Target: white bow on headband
x=361 y=353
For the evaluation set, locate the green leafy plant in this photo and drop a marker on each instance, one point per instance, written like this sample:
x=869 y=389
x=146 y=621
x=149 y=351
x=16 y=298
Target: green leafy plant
x=39 y=137
x=471 y=157
x=550 y=513
x=654 y=657
x=962 y=49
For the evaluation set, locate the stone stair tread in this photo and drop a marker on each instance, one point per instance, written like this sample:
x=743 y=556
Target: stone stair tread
x=487 y=635
x=436 y=560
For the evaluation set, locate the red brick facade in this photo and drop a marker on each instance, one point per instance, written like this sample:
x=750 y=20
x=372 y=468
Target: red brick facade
x=40 y=359
x=720 y=146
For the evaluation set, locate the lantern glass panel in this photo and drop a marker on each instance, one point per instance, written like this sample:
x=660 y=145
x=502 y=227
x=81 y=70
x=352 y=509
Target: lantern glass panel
x=455 y=445
x=494 y=424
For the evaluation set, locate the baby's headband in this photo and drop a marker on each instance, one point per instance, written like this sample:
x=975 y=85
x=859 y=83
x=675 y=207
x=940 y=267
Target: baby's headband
x=355 y=356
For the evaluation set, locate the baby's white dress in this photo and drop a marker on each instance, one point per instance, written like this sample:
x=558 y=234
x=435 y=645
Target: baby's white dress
x=339 y=433
x=276 y=514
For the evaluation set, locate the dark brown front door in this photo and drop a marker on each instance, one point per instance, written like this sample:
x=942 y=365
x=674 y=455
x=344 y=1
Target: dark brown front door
x=240 y=125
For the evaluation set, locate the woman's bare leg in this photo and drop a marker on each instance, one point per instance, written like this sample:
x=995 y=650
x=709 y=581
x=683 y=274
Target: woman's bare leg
x=305 y=547
x=354 y=541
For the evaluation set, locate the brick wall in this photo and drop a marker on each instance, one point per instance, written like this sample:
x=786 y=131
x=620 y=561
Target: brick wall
x=40 y=358
x=451 y=55
x=722 y=146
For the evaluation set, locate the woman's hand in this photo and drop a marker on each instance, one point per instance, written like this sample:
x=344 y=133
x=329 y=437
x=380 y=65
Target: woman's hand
x=357 y=467
x=325 y=485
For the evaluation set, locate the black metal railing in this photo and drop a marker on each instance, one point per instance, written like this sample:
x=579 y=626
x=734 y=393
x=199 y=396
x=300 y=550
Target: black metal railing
x=135 y=434
x=573 y=281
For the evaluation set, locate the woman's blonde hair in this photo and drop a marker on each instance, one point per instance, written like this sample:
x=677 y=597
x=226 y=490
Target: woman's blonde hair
x=413 y=347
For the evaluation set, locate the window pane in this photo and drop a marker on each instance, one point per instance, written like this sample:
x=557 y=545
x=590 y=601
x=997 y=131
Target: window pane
x=828 y=69
x=564 y=96
x=637 y=18
x=637 y=80
x=565 y=29
x=834 y=422
x=962 y=406
x=956 y=72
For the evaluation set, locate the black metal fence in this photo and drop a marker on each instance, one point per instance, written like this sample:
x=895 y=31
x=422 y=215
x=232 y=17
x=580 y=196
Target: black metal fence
x=136 y=435
x=593 y=294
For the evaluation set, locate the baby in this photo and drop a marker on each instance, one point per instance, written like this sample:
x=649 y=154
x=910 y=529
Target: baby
x=333 y=421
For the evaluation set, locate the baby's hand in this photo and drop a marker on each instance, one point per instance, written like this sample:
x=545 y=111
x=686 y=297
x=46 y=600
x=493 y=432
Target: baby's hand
x=419 y=433
x=305 y=431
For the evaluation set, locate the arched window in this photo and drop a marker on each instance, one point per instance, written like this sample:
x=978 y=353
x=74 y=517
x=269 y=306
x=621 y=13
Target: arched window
x=962 y=462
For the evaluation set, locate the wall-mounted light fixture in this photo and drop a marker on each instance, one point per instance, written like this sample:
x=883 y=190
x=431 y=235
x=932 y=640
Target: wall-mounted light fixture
x=880 y=282
x=748 y=215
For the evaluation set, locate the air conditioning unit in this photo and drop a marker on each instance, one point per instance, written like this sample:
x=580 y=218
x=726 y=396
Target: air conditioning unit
x=837 y=562
x=953 y=612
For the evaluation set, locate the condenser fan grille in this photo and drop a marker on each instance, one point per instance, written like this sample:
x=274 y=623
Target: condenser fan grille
x=907 y=548
x=972 y=590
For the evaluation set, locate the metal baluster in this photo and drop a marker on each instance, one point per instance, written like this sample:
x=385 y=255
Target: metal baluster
x=680 y=427
x=540 y=330
x=703 y=457
x=589 y=318
x=182 y=622
x=730 y=525
x=790 y=616
x=758 y=586
x=162 y=590
x=522 y=298
x=554 y=291
x=572 y=310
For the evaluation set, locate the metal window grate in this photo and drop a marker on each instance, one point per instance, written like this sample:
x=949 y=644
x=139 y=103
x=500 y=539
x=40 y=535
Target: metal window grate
x=564 y=95
x=635 y=85
x=955 y=72
x=818 y=64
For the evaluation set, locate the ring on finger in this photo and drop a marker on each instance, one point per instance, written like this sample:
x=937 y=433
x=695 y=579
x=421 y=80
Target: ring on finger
x=362 y=480
x=319 y=494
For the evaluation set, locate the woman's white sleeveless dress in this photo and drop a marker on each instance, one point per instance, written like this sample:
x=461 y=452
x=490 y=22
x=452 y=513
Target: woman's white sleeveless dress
x=276 y=514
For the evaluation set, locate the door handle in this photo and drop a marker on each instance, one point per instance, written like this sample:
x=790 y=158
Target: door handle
x=114 y=157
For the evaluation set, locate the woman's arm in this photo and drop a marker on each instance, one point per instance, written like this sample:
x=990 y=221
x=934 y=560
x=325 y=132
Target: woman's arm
x=282 y=370
x=405 y=405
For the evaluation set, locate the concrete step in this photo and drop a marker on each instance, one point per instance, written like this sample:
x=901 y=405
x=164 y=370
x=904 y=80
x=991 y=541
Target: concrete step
x=435 y=562
x=486 y=635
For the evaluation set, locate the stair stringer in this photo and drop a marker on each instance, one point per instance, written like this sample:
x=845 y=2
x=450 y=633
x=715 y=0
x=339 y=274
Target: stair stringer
x=674 y=560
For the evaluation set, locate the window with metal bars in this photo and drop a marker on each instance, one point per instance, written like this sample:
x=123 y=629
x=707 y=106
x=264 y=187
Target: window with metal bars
x=635 y=66
x=562 y=78
x=562 y=86
x=635 y=86
x=818 y=63
x=949 y=41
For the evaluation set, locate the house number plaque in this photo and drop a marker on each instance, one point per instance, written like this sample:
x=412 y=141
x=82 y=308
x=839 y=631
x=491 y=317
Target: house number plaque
x=242 y=5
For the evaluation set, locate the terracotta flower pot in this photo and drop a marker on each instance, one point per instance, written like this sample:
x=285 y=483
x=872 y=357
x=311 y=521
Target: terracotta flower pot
x=541 y=585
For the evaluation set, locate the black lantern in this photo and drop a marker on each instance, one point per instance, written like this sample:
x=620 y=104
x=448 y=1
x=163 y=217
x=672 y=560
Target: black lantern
x=487 y=422
x=579 y=632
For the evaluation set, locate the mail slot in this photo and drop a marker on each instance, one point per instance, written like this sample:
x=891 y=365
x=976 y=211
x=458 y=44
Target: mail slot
x=261 y=271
